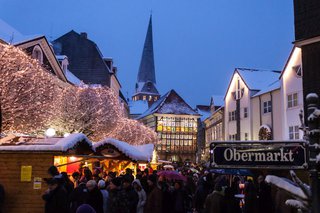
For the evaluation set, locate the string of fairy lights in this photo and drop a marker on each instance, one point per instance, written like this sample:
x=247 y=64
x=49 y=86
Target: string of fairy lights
x=33 y=100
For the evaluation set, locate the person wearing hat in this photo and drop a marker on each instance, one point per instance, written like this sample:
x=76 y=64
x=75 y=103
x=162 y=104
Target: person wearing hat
x=55 y=197
x=215 y=201
x=105 y=194
x=154 y=200
x=141 y=194
x=118 y=200
x=94 y=198
x=132 y=195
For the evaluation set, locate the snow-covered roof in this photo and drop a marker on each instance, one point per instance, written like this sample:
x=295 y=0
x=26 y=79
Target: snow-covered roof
x=258 y=79
x=46 y=144
x=61 y=57
x=138 y=107
x=72 y=78
x=272 y=87
x=137 y=153
x=12 y=36
x=170 y=103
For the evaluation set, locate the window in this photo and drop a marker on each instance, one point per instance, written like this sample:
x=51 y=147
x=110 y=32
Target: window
x=293 y=100
x=298 y=70
x=232 y=137
x=246 y=136
x=267 y=106
x=37 y=54
x=245 y=112
x=144 y=98
x=238 y=90
x=293 y=132
x=232 y=116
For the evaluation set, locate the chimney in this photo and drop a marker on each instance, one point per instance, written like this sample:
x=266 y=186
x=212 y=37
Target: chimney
x=84 y=35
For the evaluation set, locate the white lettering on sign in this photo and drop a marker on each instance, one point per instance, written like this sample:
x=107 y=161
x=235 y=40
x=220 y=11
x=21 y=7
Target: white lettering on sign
x=232 y=154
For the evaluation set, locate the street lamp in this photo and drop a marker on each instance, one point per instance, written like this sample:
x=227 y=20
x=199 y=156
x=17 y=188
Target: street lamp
x=50 y=132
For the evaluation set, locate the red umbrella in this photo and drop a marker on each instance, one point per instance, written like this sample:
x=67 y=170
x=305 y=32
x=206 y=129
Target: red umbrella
x=172 y=175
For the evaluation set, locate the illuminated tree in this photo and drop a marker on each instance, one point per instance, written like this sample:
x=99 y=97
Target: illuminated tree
x=32 y=99
x=27 y=92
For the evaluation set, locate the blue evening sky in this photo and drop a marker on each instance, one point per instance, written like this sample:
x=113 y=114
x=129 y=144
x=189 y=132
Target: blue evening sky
x=197 y=43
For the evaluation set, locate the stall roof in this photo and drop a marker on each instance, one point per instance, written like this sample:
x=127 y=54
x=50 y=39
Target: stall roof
x=25 y=143
x=44 y=144
x=138 y=152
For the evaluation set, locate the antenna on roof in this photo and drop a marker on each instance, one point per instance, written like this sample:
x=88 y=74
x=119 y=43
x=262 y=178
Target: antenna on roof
x=11 y=38
x=257 y=70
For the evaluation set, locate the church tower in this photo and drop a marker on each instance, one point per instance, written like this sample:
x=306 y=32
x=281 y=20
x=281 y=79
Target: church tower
x=146 y=82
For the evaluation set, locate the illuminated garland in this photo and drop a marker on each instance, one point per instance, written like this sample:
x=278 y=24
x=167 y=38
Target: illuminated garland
x=33 y=100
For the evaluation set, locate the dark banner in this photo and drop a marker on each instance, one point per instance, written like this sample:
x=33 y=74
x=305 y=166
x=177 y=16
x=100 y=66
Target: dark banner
x=267 y=155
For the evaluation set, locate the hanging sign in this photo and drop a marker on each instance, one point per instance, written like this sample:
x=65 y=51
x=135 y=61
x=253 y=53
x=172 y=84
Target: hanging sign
x=26 y=172
x=37 y=182
x=259 y=154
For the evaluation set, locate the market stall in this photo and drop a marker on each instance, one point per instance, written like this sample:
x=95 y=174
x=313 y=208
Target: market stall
x=25 y=160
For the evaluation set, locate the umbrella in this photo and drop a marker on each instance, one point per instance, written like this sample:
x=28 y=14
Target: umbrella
x=168 y=167
x=172 y=175
x=241 y=172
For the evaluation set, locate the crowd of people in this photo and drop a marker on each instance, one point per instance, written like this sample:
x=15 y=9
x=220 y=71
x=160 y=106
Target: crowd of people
x=97 y=192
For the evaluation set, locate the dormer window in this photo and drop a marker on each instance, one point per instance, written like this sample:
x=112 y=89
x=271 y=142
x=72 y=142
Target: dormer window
x=298 y=70
x=37 y=54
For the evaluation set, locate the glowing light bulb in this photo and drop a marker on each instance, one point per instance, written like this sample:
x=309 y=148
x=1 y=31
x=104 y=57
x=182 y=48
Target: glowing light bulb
x=50 y=132
x=66 y=134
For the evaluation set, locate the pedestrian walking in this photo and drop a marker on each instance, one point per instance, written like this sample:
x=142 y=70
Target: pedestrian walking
x=250 y=198
x=141 y=194
x=264 y=196
x=118 y=201
x=179 y=197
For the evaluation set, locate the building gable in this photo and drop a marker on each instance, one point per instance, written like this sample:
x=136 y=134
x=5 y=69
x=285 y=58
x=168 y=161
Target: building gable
x=86 y=60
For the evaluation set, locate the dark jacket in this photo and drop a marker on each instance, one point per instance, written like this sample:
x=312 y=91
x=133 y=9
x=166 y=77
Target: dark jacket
x=95 y=200
x=118 y=201
x=179 y=198
x=133 y=199
x=154 y=201
x=2 y=195
x=56 y=201
x=215 y=203
x=203 y=189
x=78 y=197
x=264 y=198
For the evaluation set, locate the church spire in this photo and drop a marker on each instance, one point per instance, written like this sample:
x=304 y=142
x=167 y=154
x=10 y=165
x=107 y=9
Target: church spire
x=146 y=81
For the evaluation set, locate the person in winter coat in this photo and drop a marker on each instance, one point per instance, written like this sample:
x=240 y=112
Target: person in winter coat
x=179 y=197
x=215 y=201
x=78 y=196
x=154 y=200
x=55 y=197
x=264 y=196
x=118 y=200
x=94 y=198
x=250 y=198
x=105 y=195
x=232 y=204
x=202 y=191
x=141 y=194
x=133 y=197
